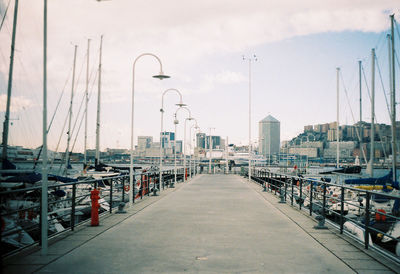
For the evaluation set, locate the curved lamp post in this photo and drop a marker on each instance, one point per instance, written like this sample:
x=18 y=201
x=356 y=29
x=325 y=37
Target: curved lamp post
x=253 y=58
x=160 y=76
x=210 y=149
x=184 y=148
x=196 y=127
x=180 y=104
x=176 y=122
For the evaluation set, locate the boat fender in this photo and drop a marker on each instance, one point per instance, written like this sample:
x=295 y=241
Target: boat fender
x=380 y=217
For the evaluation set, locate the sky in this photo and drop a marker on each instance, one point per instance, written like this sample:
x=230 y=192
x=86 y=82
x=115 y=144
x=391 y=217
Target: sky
x=201 y=44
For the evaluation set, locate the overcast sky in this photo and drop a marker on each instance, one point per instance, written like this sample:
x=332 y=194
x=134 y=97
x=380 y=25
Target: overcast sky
x=298 y=44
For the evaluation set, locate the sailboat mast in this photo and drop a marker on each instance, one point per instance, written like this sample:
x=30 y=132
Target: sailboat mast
x=372 y=112
x=86 y=102
x=70 y=111
x=9 y=87
x=360 y=126
x=337 y=120
x=96 y=161
x=393 y=100
x=44 y=198
x=227 y=156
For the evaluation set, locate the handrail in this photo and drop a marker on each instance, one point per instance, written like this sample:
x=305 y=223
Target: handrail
x=77 y=195
x=319 y=202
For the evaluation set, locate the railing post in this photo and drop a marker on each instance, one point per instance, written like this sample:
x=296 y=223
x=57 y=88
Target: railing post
x=324 y=201
x=111 y=195
x=141 y=185
x=286 y=180
x=123 y=189
x=73 y=207
x=40 y=220
x=291 y=198
x=367 y=213
x=148 y=181
x=341 y=209
x=301 y=193
x=162 y=182
x=311 y=197
x=133 y=186
x=275 y=182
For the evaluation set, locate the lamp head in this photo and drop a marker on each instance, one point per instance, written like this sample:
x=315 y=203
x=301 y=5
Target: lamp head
x=161 y=76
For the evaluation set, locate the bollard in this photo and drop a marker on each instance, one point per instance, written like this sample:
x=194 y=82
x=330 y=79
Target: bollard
x=155 y=189
x=265 y=187
x=121 y=208
x=321 y=222
x=94 y=196
x=282 y=196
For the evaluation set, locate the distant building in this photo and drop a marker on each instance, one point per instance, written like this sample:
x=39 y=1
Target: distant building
x=345 y=150
x=179 y=146
x=201 y=140
x=144 y=142
x=269 y=135
x=308 y=128
x=216 y=142
x=167 y=139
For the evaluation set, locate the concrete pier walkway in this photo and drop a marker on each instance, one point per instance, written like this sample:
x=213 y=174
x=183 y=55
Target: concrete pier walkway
x=213 y=224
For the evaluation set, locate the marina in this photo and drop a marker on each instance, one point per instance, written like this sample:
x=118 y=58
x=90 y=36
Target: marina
x=106 y=167
x=194 y=228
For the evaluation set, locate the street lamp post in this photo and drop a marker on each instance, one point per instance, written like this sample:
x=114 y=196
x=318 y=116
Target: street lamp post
x=210 y=150
x=176 y=121
x=253 y=58
x=226 y=155
x=184 y=148
x=160 y=76
x=190 y=152
x=180 y=104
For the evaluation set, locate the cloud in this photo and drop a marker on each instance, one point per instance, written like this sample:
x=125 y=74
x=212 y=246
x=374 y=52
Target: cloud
x=211 y=82
x=182 y=33
x=229 y=77
x=18 y=103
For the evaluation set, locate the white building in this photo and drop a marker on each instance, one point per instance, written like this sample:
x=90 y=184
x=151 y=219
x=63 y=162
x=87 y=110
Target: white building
x=144 y=142
x=269 y=135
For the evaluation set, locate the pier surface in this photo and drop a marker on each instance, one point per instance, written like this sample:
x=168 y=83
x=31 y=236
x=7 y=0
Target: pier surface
x=212 y=224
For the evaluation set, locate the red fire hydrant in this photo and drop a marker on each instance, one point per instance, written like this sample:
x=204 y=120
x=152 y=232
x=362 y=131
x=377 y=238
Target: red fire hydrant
x=95 y=196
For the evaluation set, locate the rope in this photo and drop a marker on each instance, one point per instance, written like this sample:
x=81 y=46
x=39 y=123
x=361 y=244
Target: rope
x=376 y=120
x=5 y=13
x=352 y=114
x=383 y=87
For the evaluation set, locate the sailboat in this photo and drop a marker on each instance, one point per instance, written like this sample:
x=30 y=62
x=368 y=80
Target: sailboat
x=381 y=203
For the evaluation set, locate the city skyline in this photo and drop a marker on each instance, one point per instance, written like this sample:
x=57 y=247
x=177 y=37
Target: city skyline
x=293 y=80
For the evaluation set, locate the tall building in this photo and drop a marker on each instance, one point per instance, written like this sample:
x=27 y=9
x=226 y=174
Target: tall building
x=216 y=142
x=179 y=146
x=201 y=140
x=167 y=139
x=144 y=142
x=269 y=135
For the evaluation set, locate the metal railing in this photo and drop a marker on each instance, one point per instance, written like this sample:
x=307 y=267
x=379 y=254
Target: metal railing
x=69 y=205
x=367 y=216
